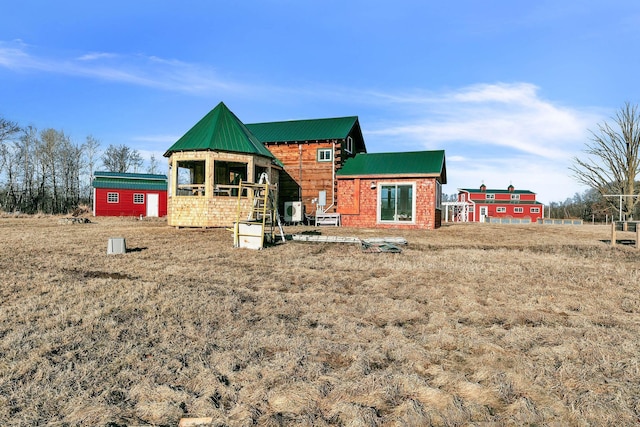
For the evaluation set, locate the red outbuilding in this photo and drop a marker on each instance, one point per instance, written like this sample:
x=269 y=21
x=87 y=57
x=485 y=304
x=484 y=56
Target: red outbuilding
x=129 y=194
x=483 y=204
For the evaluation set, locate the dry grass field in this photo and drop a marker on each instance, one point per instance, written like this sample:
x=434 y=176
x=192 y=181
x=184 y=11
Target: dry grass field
x=469 y=325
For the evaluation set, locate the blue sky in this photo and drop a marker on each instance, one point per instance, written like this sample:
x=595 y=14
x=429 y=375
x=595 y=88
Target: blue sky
x=508 y=89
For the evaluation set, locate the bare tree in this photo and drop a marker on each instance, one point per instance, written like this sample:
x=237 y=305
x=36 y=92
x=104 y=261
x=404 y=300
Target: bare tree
x=136 y=160
x=153 y=165
x=613 y=158
x=121 y=158
x=7 y=130
x=26 y=161
x=49 y=155
x=90 y=149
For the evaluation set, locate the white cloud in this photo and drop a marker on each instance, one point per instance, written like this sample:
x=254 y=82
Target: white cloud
x=149 y=71
x=499 y=133
x=511 y=116
x=96 y=55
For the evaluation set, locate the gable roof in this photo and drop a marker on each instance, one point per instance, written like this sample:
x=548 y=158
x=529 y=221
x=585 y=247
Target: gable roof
x=304 y=130
x=220 y=130
x=413 y=163
x=129 y=181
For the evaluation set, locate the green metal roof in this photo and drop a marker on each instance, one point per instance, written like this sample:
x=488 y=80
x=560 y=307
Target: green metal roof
x=304 y=130
x=129 y=181
x=407 y=163
x=220 y=130
x=495 y=191
x=144 y=176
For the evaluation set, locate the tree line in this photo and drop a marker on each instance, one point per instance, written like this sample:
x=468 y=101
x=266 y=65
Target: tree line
x=45 y=171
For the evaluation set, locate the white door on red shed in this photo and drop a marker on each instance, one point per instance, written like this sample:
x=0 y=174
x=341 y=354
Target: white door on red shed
x=152 y=204
x=483 y=213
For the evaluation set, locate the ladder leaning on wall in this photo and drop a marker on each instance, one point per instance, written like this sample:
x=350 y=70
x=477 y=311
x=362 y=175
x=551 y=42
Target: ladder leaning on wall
x=262 y=218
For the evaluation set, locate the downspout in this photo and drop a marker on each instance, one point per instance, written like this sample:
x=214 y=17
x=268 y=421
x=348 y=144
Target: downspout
x=300 y=172
x=333 y=177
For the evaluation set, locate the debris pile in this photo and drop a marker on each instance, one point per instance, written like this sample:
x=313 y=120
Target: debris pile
x=372 y=245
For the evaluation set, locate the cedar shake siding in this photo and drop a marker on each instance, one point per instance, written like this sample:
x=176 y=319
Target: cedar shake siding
x=392 y=190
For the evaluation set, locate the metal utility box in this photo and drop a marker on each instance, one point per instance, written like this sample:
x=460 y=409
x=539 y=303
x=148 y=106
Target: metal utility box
x=293 y=211
x=116 y=245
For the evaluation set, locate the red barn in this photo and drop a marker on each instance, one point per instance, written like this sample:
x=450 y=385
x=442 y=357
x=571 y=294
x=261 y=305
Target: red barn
x=483 y=204
x=129 y=194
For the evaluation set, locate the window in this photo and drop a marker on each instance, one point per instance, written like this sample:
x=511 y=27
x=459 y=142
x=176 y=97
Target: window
x=349 y=145
x=534 y=210
x=113 y=197
x=396 y=202
x=490 y=196
x=515 y=197
x=501 y=209
x=324 y=155
x=190 y=178
x=138 y=198
x=518 y=210
x=438 y=195
x=228 y=176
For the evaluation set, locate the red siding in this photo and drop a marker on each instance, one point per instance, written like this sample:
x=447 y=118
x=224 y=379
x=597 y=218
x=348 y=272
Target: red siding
x=492 y=211
x=509 y=205
x=125 y=205
x=358 y=203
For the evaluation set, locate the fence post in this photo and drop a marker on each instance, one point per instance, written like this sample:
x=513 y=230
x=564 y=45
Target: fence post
x=637 y=236
x=613 y=233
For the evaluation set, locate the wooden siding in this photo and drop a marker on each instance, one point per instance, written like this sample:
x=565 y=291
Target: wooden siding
x=125 y=205
x=211 y=210
x=304 y=170
x=185 y=211
x=359 y=203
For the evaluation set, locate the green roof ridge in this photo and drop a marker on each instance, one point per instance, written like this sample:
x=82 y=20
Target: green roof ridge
x=399 y=163
x=220 y=130
x=304 y=130
x=496 y=190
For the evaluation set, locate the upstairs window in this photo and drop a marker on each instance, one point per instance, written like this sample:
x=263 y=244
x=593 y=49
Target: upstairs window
x=325 y=155
x=515 y=197
x=501 y=210
x=348 y=147
x=534 y=210
x=518 y=210
x=490 y=196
